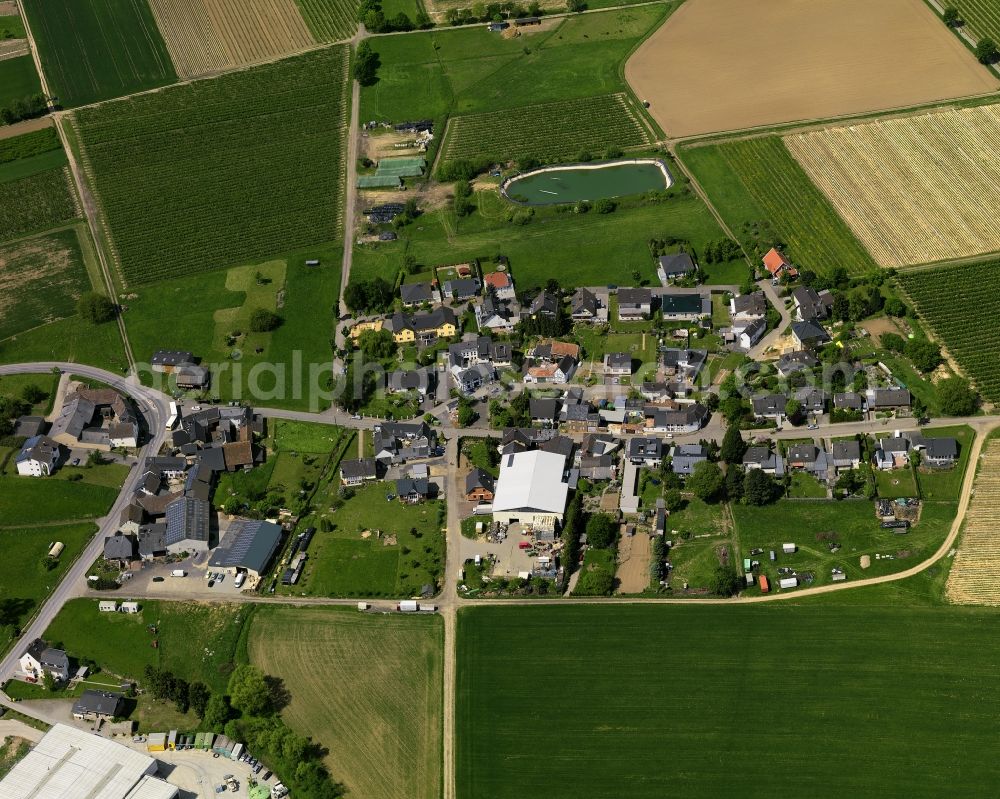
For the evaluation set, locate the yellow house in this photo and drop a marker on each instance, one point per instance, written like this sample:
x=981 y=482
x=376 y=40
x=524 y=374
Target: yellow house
x=423 y=328
x=361 y=327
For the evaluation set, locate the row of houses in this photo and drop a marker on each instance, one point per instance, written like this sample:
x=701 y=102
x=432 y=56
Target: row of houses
x=815 y=401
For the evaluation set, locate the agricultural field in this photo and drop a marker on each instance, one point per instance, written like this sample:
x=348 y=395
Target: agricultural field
x=330 y=20
x=367 y=687
x=377 y=547
x=41 y=279
x=756 y=180
x=209 y=36
x=205 y=309
x=658 y=689
x=221 y=172
x=972 y=580
x=981 y=17
x=18 y=79
x=25 y=579
x=472 y=71
x=36 y=202
x=94 y=50
x=537 y=250
x=28 y=500
x=816 y=527
x=705 y=70
x=28 y=154
x=954 y=302
x=195 y=641
x=570 y=127
x=913 y=189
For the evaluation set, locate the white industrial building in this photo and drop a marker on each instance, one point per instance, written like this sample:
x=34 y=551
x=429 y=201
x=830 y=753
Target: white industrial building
x=72 y=764
x=531 y=489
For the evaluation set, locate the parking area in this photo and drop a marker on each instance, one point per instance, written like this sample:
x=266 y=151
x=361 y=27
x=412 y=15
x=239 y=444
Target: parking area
x=157 y=578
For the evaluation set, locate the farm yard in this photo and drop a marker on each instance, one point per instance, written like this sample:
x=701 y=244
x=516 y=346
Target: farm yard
x=705 y=70
x=221 y=172
x=652 y=680
x=209 y=36
x=594 y=124
x=330 y=20
x=913 y=189
x=972 y=580
x=367 y=687
x=94 y=50
x=754 y=181
x=955 y=301
x=36 y=202
x=41 y=279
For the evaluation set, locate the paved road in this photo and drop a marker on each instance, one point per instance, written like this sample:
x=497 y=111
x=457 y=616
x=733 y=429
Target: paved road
x=350 y=193
x=772 y=337
x=154 y=407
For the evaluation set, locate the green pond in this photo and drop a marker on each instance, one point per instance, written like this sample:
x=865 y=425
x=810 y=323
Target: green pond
x=548 y=187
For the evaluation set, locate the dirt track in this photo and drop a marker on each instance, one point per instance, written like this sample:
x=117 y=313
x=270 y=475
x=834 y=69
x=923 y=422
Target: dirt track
x=720 y=65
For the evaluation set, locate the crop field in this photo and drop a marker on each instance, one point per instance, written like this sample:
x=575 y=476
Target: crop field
x=222 y=172
x=36 y=202
x=31 y=153
x=973 y=577
x=550 y=131
x=913 y=189
x=954 y=301
x=18 y=79
x=195 y=641
x=330 y=20
x=757 y=180
x=368 y=687
x=98 y=49
x=207 y=36
x=706 y=71
x=40 y=280
x=982 y=17
x=839 y=699
x=24 y=579
x=472 y=71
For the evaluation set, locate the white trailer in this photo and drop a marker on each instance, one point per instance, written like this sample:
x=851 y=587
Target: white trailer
x=172 y=418
x=408 y=606
x=363 y=606
x=178 y=573
x=107 y=606
x=788 y=549
x=423 y=608
x=789 y=582
x=130 y=607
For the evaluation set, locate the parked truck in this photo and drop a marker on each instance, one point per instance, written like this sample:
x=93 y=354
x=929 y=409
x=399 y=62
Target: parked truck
x=425 y=608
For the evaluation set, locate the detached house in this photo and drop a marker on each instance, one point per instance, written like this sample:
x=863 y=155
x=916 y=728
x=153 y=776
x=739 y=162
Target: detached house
x=634 y=304
x=764 y=459
x=39 y=457
x=798 y=361
x=414 y=294
x=501 y=284
x=557 y=373
x=684 y=457
x=808 y=458
x=887 y=399
x=776 y=265
x=358 y=471
x=618 y=364
x=584 y=306
x=545 y=304
x=674 y=267
x=747 y=307
x=770 y=406
x=892 y=453
x=685 y=307
x=424 y=328
x=810 y=304
x=479 y=486
x=808 y=334
x=644 y=451
x=497 y=315
x=846 y=455
x=39 y=658
x=461 y=289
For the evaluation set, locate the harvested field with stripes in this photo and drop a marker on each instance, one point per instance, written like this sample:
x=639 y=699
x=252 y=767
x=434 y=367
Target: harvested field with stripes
x=206 y=36
x=913 y=189
x=548 y=131
x=975 y=574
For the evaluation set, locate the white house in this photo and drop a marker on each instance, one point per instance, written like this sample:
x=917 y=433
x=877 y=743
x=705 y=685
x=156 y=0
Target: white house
x=38 y=457
x=531 y=489
x=39 y=658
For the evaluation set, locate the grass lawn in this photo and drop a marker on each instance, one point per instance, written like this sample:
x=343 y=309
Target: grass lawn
x=598 y=560
x=196 y=642
x=291 y=436
x=204 y=309
x=38 y=500
x=946 y=484
x=344 y=562
x=757 y=180
x=699 y=518
x=538 y=250
x=475 y=449
x=813 y=525
x=98 y=49
x=357 y=679
x=853 y=684
x=14 y=385
x=729 y=273
x=693 y=562
x=596 y=344
x=896 y=483
x=806 y=486
x=18 y=79
x=444 y=72
x=25 y=580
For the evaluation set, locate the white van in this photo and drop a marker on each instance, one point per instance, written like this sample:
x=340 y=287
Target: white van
x=178 y=573
x=240 y=579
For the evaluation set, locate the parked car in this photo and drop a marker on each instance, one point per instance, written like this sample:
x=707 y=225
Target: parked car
x=157 y=579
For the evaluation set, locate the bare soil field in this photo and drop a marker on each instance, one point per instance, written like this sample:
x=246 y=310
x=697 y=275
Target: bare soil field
x=206 y=36
x=633 y=563
x=913 y=189
x=973 y=578
x=719 y=65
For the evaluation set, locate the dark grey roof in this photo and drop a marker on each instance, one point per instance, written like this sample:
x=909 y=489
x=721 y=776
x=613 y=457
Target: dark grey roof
x=809 y=331
x=619 y=360
x=248 y=544
x=40 y=448
x=478 y=478
x=754 y=304
x=801 y=359
x=807 y=453
x=583 y=303
x=679 y=263
x=28 y=426
x=547 y=409
x=358 y=469
x=100 y=703
x=415 y=293
x=560 y=445
x=171 y=358
x=846 y=451
x=769 y=404
x=408 y=486
x=410 y=379
x=941 y=448
x=152 y=539
x=188 y=519
x=51 y=658
x=888 y=397
x=758 y=455
x=848 y=401
x=683 y=304
x=120 y=547
x=544 y=303
x=634 y=297
x=643 y=447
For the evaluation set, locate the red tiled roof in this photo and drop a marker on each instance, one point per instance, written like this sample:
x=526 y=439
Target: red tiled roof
x=774 y=262
x=498 y=280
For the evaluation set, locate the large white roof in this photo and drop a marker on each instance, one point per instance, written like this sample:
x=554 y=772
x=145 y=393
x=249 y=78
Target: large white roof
x=72 y=764
x=531 y=481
